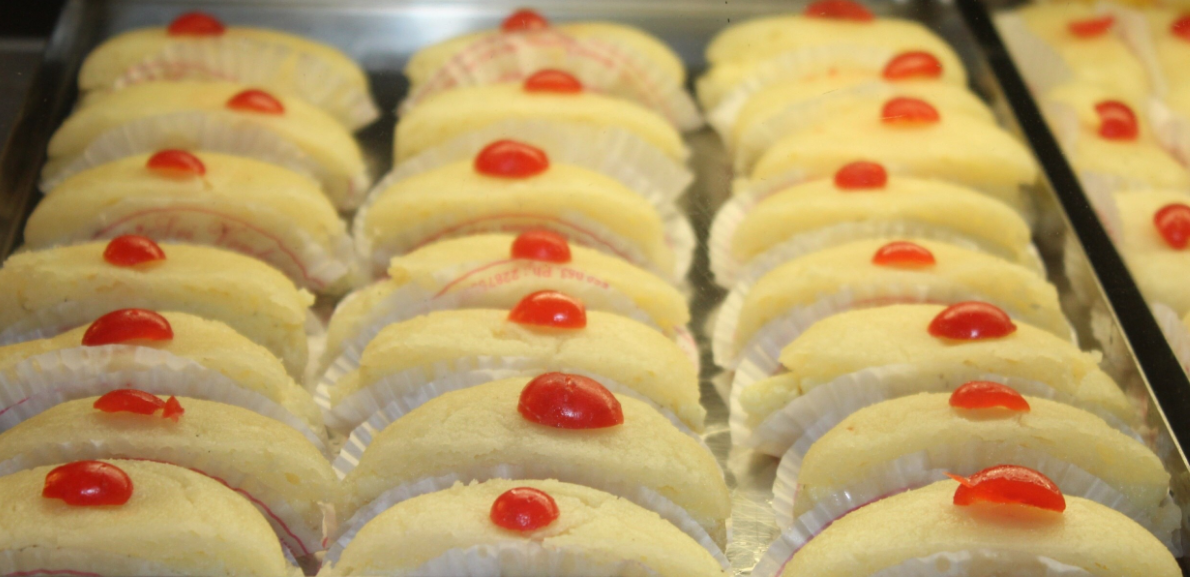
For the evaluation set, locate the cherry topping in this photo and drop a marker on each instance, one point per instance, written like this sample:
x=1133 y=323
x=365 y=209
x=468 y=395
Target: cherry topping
x=1181 y=27
x=196 y=24
x=524 y=19
x=1117 y=121
x=555 y=81
x=971 y=320
x=127 y=325
x=550 y=309
x=1009 y=484
x=139 y=402
x=253 y=100
x=913 y=64
x=839 y=10
x=569 y=402
x=542 y=245
x=907 y=111
x=902 y=254
x=1173 y=224
x=88 y=484
x=861 y=175
x=131 y=250
x=988 y=395
x=176 y=163
x=511 y=159
x=524 y=509
x=1091 y=27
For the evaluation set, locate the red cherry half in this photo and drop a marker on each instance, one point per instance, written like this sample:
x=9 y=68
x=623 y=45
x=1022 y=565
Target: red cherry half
x=127 y=325
x=88 y=484
x=542 y=245
x=909 y=111
x=1009 y=484
x=861 y=175
x=970 y=321
x=1173 y=224
x=1181 y=27
x=1117 y=121
x=253 y=100
x=196 y=24
x=139 y=402
x=569 y=402
x=131 y=250
x=903 y=254
x=1091 y=27
x=524 y=509
x=914 y=64
x=988 y=395
x=523 y=20
x=511 y=159
x=555 y=81
x=176 y=163
x=550 y=309
x=839 y=10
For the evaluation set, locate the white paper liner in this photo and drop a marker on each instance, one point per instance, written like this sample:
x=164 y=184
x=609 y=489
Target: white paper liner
x=293 y=531
x=966 y=563
x=1175 y=332
x=522 y=558
x=611 y=151
x=601 y=66
x=922 y=468
x=1041 y=66
x=260 y=63
x=43 y=381
x=1171 y=129
x=43 y=560
x=1133 y=29
x=643 y=496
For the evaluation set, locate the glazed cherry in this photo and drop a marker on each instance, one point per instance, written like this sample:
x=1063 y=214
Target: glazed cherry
x=1117 y=121
x=131 y=250
x=550 y=309
x=523 y=20
x=542 y=245
x=861 y=176
x=176 y=163
x=1009 y=484
x=970 y=321
x=555 y=81
x=253 y=100
x=839 y=10
x=569 y=402
x=1091 y=27
x=1181 y=27
x=903 y=254
x=524 y=509
x=139 y=402
x=196 y=24
x=127 y=325
x=88 y=484
x=914 y=64
x=988 y=395
x=511 y=159
x=1173 y=224
x=909 y=111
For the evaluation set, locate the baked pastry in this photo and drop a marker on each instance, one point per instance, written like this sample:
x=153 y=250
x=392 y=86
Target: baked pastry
x=594 y=532
x=45 y=292
x=165 y=362
x=554 y=426
x=514 y=186
x=132 y=518
x=152 y=106
x=495 y=271
x=279 y=470
x=1153 y=243
x=237 y=203
x=1169 y=30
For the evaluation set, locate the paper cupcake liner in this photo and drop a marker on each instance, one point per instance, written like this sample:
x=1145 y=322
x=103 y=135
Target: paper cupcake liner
x=292 y=529
x=43 y=381
x=922 y=468
x=643 y=496
x=1041 y=66
x=794 y=65
x=528 y=558
x=611 y=151
x=825 y=406
x=1175 y=332
x=967 y=563
x=57 y=561
x=1133 y=29
x=601 y=66
x=259 y=63
x=1171 y=129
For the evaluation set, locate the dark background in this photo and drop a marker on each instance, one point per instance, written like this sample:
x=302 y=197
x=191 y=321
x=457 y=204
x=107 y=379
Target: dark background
x=28 y=17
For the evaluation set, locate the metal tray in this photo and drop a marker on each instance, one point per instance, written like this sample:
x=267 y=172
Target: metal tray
x=1097 y=292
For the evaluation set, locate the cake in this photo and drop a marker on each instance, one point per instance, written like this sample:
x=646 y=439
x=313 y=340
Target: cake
x=1169 y=32
x=45 y=292
x=1153 y=244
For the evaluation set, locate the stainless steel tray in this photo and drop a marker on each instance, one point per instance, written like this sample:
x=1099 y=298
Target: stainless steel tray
x=1106 y=308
